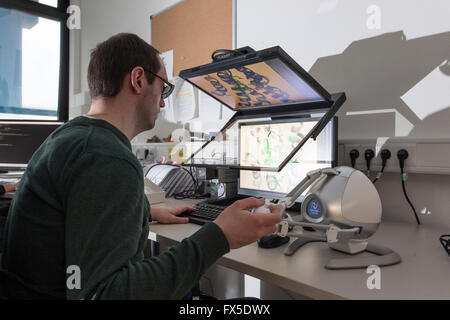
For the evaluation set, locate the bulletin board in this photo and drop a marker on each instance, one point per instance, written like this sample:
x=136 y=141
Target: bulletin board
x=193 y=29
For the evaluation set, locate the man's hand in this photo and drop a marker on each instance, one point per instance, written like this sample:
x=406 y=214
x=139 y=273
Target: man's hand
x=168 y=215
x=241 y=227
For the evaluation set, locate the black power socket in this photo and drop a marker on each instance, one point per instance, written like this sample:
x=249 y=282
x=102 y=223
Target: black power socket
x=369 y=155
x=354 y=154
x=385 y=156
x=402 y=155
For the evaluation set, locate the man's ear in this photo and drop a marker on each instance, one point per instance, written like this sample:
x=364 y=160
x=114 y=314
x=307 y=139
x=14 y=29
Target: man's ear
x=137 y=79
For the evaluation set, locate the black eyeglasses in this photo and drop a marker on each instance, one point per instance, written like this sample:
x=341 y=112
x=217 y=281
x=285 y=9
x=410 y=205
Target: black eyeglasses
x=167 y=87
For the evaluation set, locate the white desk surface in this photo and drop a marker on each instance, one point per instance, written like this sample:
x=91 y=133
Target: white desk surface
x=422 y=274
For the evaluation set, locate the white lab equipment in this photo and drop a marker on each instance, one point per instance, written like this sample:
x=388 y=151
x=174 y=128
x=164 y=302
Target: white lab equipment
x=344 y=209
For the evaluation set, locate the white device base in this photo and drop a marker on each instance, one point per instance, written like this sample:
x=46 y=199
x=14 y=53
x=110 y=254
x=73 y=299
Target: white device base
x=383 y=256
x=351 y=247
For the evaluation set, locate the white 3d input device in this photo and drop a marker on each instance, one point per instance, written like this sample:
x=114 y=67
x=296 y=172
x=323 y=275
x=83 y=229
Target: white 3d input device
x=344 y=208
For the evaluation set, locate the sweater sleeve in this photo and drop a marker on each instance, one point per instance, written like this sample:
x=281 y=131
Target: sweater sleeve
x=106 y=232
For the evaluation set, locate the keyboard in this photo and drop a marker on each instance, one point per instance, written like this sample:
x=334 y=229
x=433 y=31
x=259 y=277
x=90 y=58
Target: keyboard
x=209 y=210
x=205 y=212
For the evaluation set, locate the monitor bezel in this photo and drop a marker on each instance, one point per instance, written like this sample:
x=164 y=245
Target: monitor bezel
x=23 y=166
x=239 y=117
x=329 y=113
x=257 y=57
x=277 y=195
x=275 y=121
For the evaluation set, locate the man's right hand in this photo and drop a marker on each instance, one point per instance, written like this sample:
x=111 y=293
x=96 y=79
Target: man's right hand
x=241 y=227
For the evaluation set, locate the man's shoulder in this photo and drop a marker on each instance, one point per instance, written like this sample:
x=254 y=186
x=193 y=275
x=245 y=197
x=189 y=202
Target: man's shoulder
x=93 y=137
x=103 y=142
x=74 y=132
x=66 y=143
x=80 y=137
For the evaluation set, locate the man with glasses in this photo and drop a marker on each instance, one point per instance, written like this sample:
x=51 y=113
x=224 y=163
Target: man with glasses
x=79 y=221
x=167 y=87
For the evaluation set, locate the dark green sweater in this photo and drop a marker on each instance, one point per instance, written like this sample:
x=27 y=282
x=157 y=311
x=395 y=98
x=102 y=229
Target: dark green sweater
x=81 y=202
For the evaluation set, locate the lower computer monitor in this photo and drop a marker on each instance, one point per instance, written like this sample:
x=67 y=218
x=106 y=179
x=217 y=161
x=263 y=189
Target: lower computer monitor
x=19 y=140
x=271 y=138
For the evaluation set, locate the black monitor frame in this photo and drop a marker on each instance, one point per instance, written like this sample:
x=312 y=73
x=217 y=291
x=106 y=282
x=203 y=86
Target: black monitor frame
x=278 y=120
x=22 y=163
x=277 y=195
x=253 y=57
x=330 y=104
x=292 y=112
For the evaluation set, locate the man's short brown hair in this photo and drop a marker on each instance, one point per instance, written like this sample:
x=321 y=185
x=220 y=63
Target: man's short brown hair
x=113 y=59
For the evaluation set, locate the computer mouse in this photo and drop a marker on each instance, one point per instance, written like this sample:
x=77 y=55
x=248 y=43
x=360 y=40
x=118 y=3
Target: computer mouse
x=272 y=241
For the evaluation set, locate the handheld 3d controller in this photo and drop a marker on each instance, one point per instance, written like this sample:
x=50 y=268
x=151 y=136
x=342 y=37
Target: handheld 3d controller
x=265 y=208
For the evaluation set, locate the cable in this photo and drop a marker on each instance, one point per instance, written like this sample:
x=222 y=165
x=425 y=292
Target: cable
x=190 y=194
x=368 y=155
x=385 y=156
x=173 y=165
x=378 y=176
x=402 y=155
x=223 y=54
x=184 y=194
x=407 y=198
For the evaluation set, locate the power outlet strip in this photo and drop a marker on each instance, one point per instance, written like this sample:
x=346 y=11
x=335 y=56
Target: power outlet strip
x=424 y=157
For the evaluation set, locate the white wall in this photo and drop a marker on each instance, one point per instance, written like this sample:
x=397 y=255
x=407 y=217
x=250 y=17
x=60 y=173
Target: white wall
x=101 y=19
x=392 y=58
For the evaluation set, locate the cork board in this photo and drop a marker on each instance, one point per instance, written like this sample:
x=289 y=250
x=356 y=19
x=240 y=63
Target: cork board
x=193 y=29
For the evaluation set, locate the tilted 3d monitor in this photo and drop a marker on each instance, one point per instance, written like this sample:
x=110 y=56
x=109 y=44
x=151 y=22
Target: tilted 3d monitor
x=260 y=86
x=315 y=154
